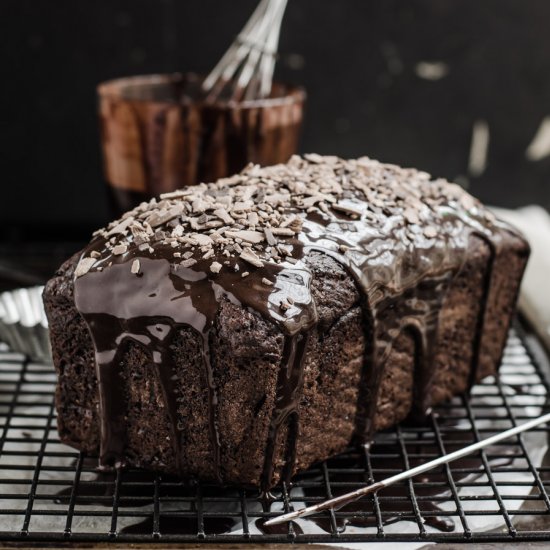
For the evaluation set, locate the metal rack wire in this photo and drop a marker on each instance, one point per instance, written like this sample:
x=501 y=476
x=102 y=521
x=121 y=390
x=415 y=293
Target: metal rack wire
x=52 y=493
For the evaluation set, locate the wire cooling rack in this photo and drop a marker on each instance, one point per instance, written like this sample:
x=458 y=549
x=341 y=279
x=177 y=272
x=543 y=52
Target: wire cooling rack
x=51 y=493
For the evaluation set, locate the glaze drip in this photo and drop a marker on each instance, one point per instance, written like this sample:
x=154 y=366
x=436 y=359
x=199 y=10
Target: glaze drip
x=171 y=264
x=289 y=384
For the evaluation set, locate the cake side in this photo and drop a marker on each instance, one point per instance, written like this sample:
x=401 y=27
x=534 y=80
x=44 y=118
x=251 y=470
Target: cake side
x=76 y=396
x=457 y=352
x=472 y=329
x=502 y=290
x=454 y=357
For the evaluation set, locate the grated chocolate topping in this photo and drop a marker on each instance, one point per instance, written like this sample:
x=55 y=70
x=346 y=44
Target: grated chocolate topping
x=253 y=215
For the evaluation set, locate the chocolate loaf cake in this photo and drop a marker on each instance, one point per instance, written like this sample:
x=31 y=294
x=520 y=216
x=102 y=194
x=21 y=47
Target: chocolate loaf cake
x=241 y=330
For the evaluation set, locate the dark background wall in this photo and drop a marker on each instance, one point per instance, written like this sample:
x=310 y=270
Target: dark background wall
x=401 y=81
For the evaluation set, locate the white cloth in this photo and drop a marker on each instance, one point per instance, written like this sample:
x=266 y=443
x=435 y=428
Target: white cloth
x=534 y=299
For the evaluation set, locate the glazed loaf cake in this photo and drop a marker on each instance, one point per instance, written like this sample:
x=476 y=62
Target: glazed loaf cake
x=240 y=331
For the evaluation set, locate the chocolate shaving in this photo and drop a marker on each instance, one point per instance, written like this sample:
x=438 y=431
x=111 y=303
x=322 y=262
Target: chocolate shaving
x=430 y=232
x=84 y=265
x=120 y=249
x=253 y=237
x=271 y=240
x=215 y=267
x=224 y=215
x=251 y=258
x=120 y=227
x=282 y=231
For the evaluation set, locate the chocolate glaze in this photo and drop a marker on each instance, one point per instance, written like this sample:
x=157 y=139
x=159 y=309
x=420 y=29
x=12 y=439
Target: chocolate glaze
x=147 y=309
x=289 y=383
x=402 y=268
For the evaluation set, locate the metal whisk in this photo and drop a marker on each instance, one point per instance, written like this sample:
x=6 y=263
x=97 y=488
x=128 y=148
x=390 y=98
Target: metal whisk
x=246 y=70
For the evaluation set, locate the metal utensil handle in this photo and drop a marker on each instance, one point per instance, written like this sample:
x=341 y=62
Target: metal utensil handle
x=407 y=474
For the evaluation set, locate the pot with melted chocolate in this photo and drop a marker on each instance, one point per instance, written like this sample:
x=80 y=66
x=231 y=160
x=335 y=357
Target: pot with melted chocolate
x=159 y=133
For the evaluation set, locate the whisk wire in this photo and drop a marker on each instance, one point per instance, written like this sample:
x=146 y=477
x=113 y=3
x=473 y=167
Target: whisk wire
x=268 y=61
x=246 y=69
x=236 y=50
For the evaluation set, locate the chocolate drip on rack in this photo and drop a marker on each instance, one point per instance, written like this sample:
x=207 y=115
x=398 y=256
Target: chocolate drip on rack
x=169 y=265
